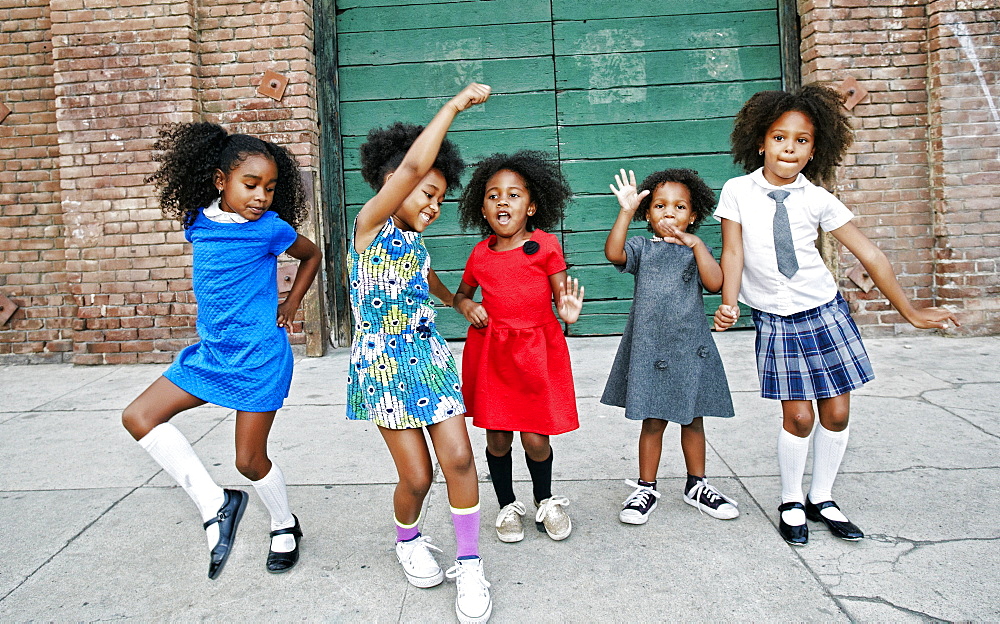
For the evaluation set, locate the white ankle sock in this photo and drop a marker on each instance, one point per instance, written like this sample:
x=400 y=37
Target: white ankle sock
x=271 y=490
x=792 y=454
x=828 y=451
x=171 y=450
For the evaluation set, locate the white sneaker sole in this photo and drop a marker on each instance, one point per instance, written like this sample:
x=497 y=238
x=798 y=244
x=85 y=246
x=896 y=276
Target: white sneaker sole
x=425 y=582
x=510 y=539
x=468 y=619
x=637 y=519
x=715 y=513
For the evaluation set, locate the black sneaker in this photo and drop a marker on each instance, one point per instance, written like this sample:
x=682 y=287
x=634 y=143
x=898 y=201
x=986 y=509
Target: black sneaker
x=711 y=501
x=638 y=506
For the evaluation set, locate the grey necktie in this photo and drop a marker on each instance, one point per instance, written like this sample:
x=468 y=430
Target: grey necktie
x=784 y=248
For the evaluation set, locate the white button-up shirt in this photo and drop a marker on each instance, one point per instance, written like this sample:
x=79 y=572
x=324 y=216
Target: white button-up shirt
x=745 y=201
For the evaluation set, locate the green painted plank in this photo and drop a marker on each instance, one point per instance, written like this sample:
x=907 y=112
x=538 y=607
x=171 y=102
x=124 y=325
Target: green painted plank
x=521 y=110
x=424 y=80
x=474 y=145
x=422 y=18
x=474 y=42
x=604 y=71
x=675 y=32
x=651 y=138
x=666 y=103
x=598 y=324
x=602 y=281
x=594 y=176
x=353 y=4
x=602 y=9
x=449 y=253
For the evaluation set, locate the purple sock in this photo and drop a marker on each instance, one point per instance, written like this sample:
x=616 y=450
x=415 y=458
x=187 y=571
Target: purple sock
x=404 y=532
x=466 y=531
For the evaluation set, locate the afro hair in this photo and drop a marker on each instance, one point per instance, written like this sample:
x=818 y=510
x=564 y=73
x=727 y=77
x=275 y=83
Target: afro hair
x=545 y=183
x=702 y=197
x=823 y=106
x=191 y=153
x=385 y=148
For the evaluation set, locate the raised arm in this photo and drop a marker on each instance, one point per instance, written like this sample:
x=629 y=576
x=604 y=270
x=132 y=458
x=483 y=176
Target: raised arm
x=628 y=199
x=732 y=274
x=418 y=161
x=880 y=270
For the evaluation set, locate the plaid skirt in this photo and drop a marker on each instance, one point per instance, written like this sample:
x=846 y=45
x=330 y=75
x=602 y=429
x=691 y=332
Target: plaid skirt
x=813 y=354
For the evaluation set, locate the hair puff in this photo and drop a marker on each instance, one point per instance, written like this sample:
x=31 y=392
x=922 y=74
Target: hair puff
x=385 y=148
x=546 y=186
x=824 y=108
x=702 y=197
x=189 y=155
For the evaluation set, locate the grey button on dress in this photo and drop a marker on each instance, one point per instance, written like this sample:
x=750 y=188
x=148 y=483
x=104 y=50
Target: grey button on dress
x=667 y=365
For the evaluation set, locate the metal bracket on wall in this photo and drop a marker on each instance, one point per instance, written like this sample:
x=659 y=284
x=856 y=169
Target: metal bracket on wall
x=273 y=85
x=852 y=91
x=7 y=309
x=4 y=111
x=286 y=276
x=860 y=277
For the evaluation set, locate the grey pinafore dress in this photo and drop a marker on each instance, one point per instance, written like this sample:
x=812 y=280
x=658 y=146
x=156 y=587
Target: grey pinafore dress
x=667 y=366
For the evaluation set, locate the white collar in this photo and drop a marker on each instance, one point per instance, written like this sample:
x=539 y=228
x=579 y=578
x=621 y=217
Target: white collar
x=758 y=177
x=217 y=214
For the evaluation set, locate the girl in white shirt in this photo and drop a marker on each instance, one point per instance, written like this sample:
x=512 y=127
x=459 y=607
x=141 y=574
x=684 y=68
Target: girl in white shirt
x=808 y=347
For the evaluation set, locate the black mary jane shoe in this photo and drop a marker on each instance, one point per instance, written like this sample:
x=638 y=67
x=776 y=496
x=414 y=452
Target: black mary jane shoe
x=794 y=535
x=278 y=562
x=844 y=530
x=228 y=519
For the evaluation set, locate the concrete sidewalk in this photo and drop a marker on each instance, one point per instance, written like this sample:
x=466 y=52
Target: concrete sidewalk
x=93 y=530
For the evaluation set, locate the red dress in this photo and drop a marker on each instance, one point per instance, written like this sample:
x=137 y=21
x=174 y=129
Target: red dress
x=516 y=373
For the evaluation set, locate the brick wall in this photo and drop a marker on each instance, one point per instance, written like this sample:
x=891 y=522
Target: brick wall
x=32 y=251
x=101 y=276
x=964 y=50
x=918 y=191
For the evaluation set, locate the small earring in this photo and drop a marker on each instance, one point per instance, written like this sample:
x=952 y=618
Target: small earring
x=760 y=152
x=810 y=158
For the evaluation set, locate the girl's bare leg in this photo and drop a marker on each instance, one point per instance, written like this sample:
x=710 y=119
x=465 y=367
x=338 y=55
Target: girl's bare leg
x=412 y=458
x=454 y=453
x=650 y=448
x=157 y=404
x=693 y=447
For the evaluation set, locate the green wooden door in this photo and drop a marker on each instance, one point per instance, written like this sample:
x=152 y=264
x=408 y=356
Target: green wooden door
x=646 y=85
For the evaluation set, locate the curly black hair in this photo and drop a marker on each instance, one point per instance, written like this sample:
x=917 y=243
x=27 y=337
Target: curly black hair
x=385 y=148
x=547 y=188
x=824 y=108
x=702 y=197
x=191 y=153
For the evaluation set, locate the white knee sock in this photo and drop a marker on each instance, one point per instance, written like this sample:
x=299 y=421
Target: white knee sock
x=271 y=490
x=171 y=450
x=792 y=454
x=828 y=451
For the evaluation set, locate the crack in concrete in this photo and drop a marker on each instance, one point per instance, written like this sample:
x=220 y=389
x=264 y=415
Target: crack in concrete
x=883 y=601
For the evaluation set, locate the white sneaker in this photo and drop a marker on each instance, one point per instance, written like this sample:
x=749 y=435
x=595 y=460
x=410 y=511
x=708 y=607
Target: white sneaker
x=419 y=565
x=711 y=501
x=508 y=523
x=472 y=602
x=639 y=504
x=554 y=518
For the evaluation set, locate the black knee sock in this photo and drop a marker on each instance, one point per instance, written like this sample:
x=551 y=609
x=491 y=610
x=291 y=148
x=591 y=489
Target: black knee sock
x=541 y=476
x=502 y=476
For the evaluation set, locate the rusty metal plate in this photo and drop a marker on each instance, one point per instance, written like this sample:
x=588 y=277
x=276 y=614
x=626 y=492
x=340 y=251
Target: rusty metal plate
x=853 y=91
x=286 y=277
x=4 y=111
x=7 y=309
x=860 y=277
x=273 y=85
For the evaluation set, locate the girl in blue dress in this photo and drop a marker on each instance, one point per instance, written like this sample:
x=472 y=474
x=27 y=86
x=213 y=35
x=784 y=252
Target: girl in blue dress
x=239 y=199
x=402 y=375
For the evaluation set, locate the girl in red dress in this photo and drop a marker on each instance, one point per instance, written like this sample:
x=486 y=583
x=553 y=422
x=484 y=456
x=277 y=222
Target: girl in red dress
x=516 y=372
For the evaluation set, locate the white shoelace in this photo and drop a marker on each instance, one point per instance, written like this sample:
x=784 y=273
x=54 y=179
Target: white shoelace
x=640 y=497
x=711 y=494
x=469 y=578
x=419 y=552
x=548 y=504
x=514 y=508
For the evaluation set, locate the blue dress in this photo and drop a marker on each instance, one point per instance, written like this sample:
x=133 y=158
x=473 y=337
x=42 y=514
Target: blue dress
x=402 y=374
x=243 y=361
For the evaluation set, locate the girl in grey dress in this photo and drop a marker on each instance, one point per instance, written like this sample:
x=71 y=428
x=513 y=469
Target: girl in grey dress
x=667 y=368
